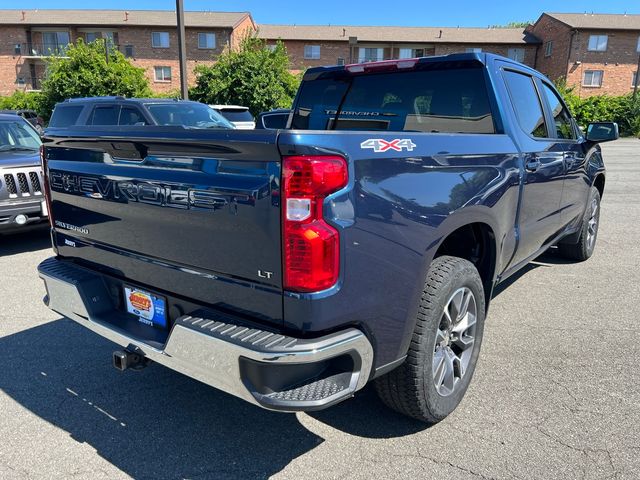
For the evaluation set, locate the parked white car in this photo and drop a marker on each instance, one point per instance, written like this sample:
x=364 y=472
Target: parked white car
x=240 y=116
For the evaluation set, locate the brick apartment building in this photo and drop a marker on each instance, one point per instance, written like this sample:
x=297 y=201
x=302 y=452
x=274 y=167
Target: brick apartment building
x=596 y=53
x=310 y=46
x=148 y=38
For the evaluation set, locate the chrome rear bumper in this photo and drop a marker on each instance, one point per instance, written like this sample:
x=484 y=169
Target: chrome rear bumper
x=273 y=371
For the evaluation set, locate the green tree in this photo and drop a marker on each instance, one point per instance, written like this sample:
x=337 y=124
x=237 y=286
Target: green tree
x=252 y=76
x=512 y=25
x=85 y=72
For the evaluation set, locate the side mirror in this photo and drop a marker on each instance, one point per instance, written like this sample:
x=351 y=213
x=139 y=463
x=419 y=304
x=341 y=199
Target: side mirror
x=602 y=132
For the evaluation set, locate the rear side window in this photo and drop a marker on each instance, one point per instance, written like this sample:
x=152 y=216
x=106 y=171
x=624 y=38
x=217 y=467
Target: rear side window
x=237 y=114
x=131 y=116
x=526 y=103
x=105 y=115
x=561 y=117
x=275 y=120
x=434 y=100
x=65 y=116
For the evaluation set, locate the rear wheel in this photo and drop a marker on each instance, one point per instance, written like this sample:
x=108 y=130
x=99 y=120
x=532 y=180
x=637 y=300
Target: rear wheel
x=445 y=345
x=586 y=243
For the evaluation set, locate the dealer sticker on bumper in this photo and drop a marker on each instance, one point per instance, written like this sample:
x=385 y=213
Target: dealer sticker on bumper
x=149 y=308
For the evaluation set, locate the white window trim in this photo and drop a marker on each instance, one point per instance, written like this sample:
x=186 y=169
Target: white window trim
x=312 y=56
x=519 y=51
x=592 y=85
x=362 y=54
x=215 y=40
x=548 y=48
x=598 y=37
x=163 y=79
x=161 y=46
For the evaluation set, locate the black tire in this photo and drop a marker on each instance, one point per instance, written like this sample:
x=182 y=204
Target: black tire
x=410 y=388
x=586 y=244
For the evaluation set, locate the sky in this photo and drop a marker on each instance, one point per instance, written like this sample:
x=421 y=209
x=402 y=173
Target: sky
x=463 y=13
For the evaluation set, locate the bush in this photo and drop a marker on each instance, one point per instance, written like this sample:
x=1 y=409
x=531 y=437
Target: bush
x=252 y=76
x=85 y=72
x=21 y=100
x=623 y=110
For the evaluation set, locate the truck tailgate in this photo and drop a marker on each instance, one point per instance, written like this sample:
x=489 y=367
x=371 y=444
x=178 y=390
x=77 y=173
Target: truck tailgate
x=197 y=216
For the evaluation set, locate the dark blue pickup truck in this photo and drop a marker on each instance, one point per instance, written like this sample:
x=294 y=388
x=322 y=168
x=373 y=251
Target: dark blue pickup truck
x=362 y=243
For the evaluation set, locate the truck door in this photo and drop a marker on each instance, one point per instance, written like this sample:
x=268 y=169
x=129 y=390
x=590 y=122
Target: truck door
x=539 y=216
x=575 y=189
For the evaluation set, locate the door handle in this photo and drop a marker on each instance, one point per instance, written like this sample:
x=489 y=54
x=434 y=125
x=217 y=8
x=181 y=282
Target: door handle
x=532 y=164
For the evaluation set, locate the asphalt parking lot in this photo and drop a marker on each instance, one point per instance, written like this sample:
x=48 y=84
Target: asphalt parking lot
x=556 y=393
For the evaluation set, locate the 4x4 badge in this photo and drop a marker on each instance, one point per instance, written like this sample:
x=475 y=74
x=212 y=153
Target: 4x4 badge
x=379 y=145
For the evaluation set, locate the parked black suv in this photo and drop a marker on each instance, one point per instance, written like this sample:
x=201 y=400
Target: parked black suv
x=135 y=111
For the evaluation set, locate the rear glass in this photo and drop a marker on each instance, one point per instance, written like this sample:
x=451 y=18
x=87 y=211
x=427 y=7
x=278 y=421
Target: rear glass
x=236 y=114
x=445 y=100
x=64 y=116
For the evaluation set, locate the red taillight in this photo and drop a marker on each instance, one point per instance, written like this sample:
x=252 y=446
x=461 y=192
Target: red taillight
x=311 y=247
x=45 y=178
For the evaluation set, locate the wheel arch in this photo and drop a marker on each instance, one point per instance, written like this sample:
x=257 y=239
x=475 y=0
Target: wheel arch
x=477 y=242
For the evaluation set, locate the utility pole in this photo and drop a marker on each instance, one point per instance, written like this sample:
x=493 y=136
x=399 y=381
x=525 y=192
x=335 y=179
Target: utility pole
x=635 y=84
x=182 y=51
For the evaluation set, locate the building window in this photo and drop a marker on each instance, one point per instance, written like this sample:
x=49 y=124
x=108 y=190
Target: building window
x=17 y=49
x=634 y=78
x=548 y=49
x=340 y=61
x=55 y=43
x=128 y=51
x=592 y=78
x=162 y=74
x=638 y=46
x=473 y=50
x=21 y=81
x=516 y=54
x=597 y=43
x=160 y=39
x=271 y=48
x=370 y=54
x=92 y=36
x=207 y=41
x=312 y=52
x=411 y=53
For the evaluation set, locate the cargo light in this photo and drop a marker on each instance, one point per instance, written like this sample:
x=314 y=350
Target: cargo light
x=385 y=65
x=311 y=247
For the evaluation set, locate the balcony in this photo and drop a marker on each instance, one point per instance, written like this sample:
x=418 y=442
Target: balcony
x=44 y=50
x=40 y=50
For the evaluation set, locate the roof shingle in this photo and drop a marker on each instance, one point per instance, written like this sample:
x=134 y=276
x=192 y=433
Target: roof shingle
x=120 y=18
x=599 y=21
x=395 y=34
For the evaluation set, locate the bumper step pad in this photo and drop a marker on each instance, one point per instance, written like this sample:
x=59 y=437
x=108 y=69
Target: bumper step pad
x=269 y=369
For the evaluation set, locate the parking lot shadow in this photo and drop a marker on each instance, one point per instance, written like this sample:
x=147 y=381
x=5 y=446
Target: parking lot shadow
x=157 y=423
x=29 y=241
